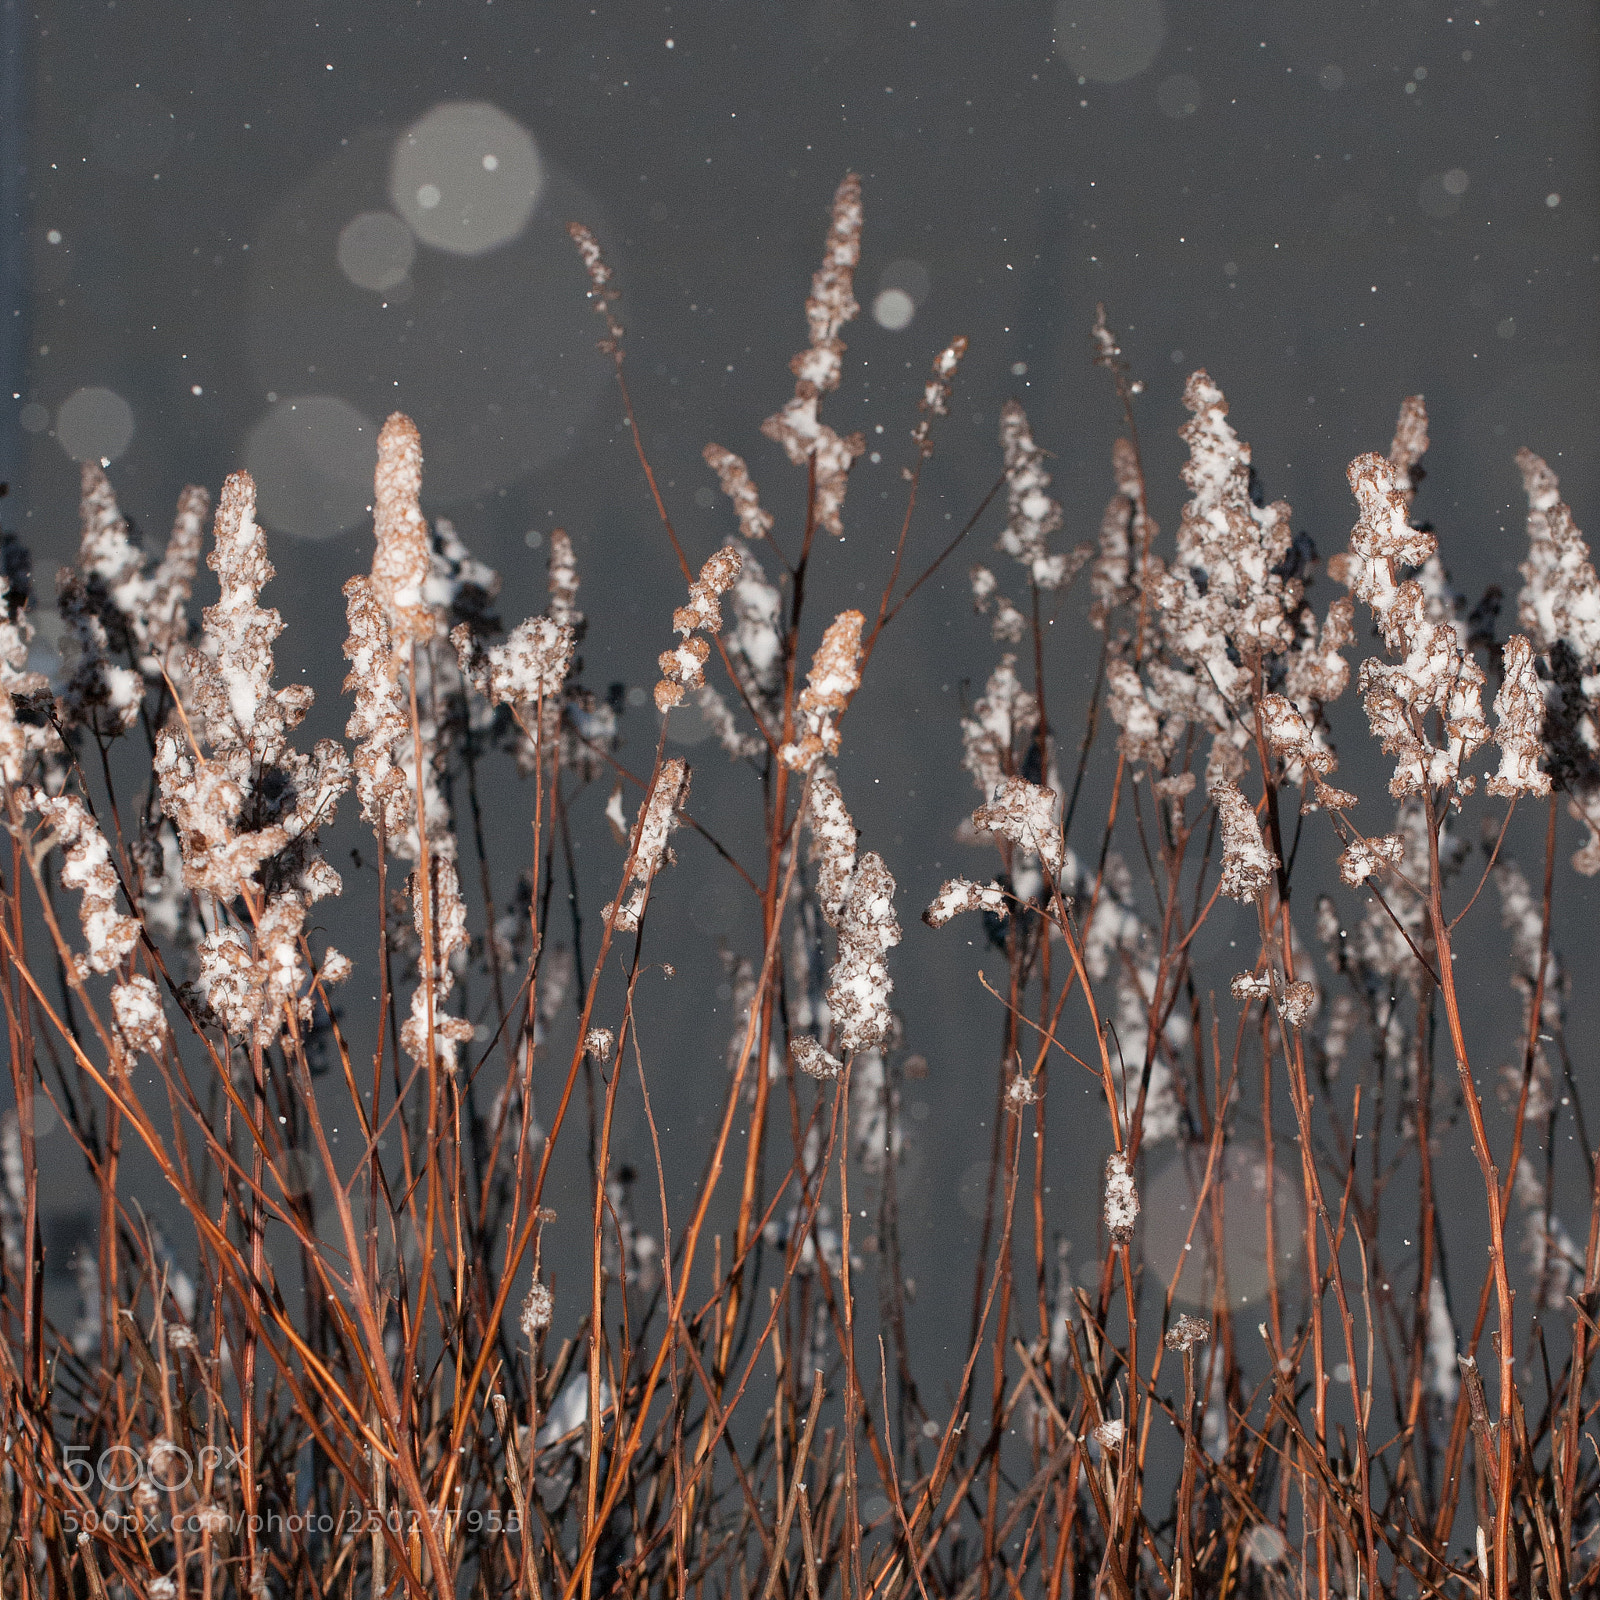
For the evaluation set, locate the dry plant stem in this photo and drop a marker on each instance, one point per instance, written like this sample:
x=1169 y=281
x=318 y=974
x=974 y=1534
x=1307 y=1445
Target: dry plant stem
x=851 y=1390
x=1130 y=1512
x=1491 y=1180
x=529 y=1227
x=624 y=1451
x=1184 y=1588
x=244 y=1277
x=797 y=1490
x=1315 y=1206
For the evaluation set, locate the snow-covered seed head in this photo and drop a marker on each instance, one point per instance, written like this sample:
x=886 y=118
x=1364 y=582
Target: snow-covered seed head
x=832 y=303
x=1299 y=1003
x=810 y=1058
x=1021 y=1092
x=563 y=583
x=1519 y=730
x=1247 y=864
x=597 y=1042
x=1108 y=1435
x=835 y=675
x=657 y=819
x=859 y=985
x=682 y=669
x=1187 y=1332
x=537 y=1310
x=136 y=1010
x=1025 y=813
x=336 y=968
x=833 y=841
x=961 y=894
x=602 y=292
x=935 y=401
x=401 y=558
x=531 y=665
x=704 y=611
x=1122 y=1199
x=737 y=484
x=108 y=935
x=1033 y=514
x=1362 y=857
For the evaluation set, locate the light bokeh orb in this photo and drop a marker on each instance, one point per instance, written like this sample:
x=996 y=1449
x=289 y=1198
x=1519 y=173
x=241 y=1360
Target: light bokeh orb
x=466 y=177
x=312 y=457
x=376 y=250
x=893 y=309
x=94 y=424
x=1174 y=1189
x=1109 y=41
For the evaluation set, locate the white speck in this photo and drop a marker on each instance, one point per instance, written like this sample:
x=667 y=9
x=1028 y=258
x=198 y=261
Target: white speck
x=669 y=44
x=428 y=196
x=54 y=236
x=1552 y=200
x=194 y=388
x=490 y=163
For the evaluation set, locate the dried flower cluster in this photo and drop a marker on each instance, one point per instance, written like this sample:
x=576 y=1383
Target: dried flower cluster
x=1028 y=815
x=856 y=898
x=1033 y=515
x=935 y=401
x=835 y=675
x=401 y=558
x=1362 y=857
x=528 y=670
x=247 y=806
x=658 y=817
x=140 y=1020
x=961 y=894
x=602 y=291
x=19 y=739
x=1231 y=615
x=1431 y=672
x=737 y=484
x=1187 y=1332
x=1247 y=864
x=683 y=668
x=87 y=870
x=817 y=368
x=1003 y=718
x=1122 y=1199
x=810 y=1058
x=1559 y=607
